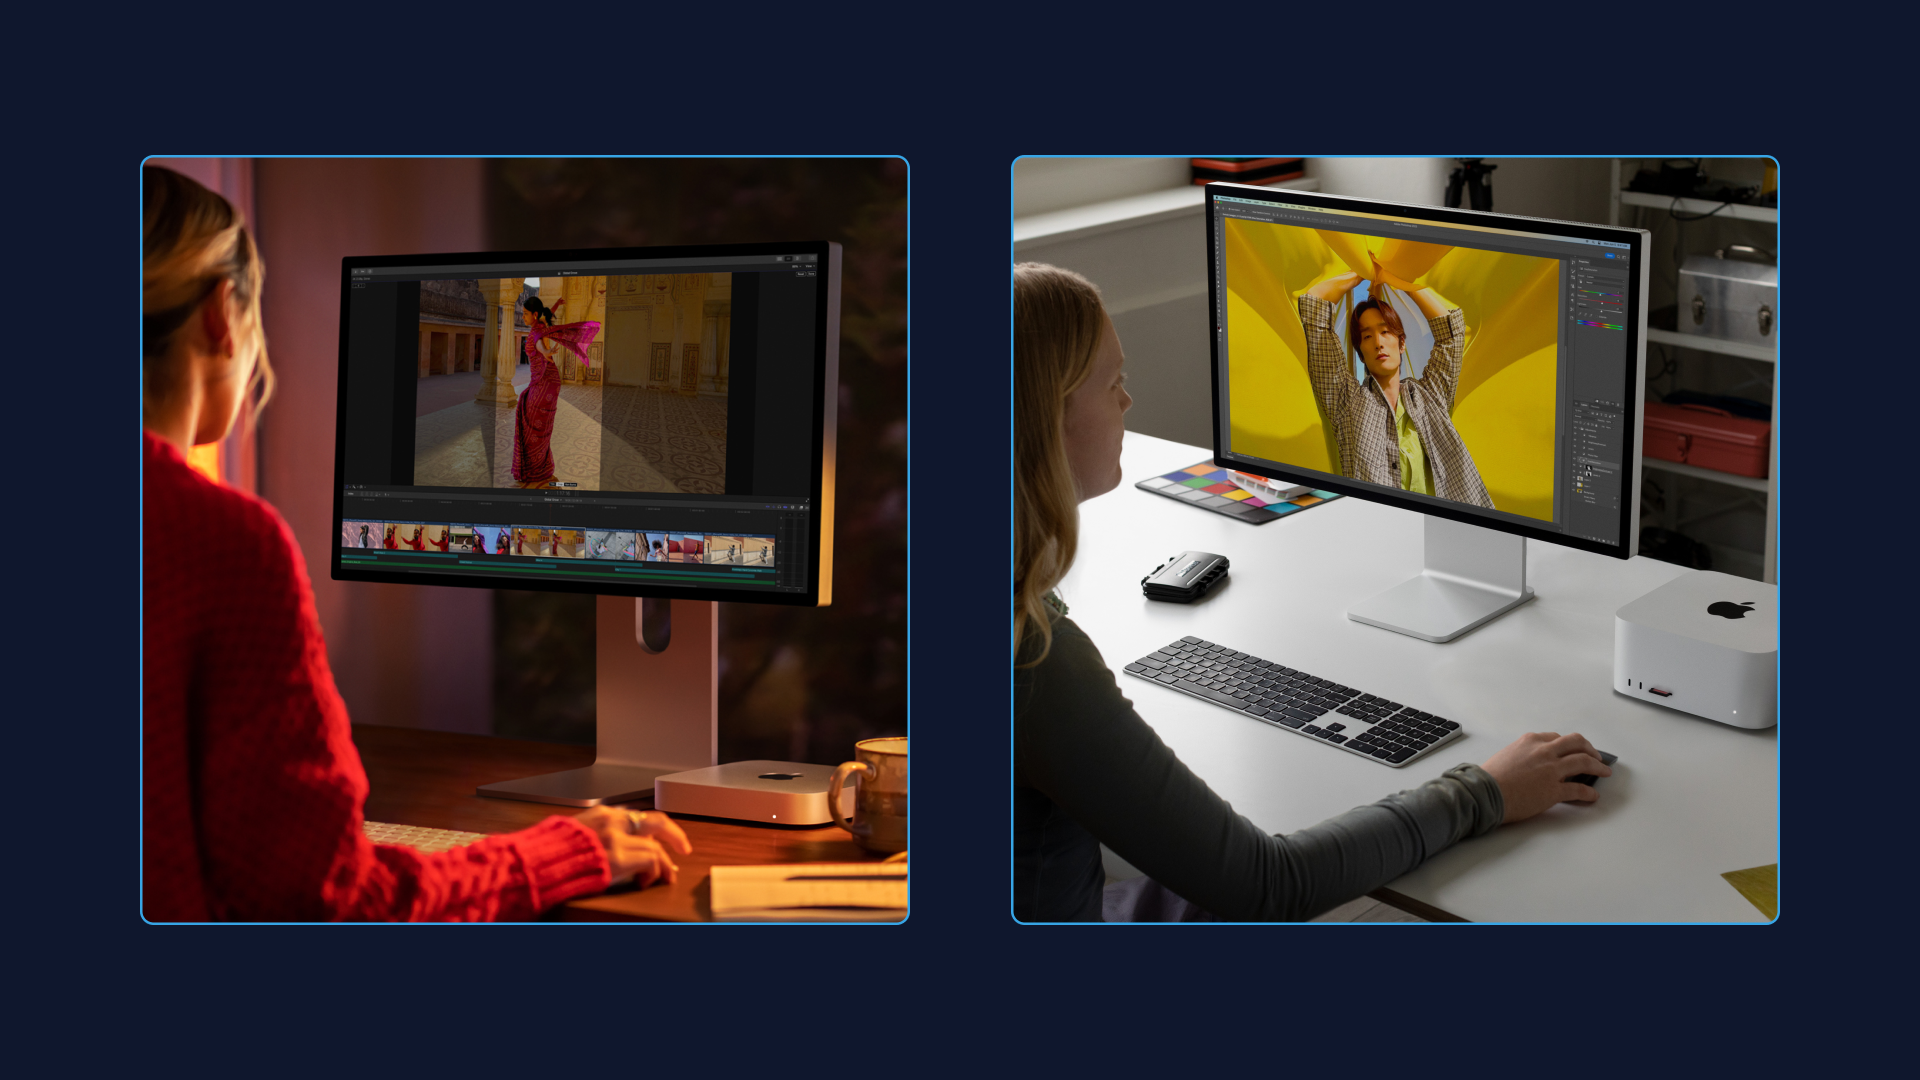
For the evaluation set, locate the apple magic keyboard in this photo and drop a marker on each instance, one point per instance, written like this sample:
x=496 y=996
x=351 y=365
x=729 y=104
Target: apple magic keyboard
x=1353 y=720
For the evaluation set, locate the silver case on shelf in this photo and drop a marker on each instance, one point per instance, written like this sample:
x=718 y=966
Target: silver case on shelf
x=1736 y=301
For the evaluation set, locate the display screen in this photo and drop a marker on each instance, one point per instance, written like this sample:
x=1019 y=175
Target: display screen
x=1487 y=373
x=632 y=422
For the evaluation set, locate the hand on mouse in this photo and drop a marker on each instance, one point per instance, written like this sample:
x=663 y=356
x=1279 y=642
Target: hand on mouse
x=637 y=843
x=1532 y=772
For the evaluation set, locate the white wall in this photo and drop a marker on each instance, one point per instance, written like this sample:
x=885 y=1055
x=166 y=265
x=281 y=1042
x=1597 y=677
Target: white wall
x=1565 y=189
x=1404 y=180
x=1044 y=184
x=1153 y=278
x=1153 y=275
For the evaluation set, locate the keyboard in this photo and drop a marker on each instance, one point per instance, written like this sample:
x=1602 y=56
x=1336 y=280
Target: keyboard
x=414 y=836
x=1357 y=722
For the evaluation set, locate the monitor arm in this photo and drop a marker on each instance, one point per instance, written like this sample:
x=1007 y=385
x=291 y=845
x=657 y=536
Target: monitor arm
x=657 y=704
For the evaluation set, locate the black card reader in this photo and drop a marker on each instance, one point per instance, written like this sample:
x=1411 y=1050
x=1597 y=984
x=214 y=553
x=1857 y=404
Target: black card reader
x=1186 y=577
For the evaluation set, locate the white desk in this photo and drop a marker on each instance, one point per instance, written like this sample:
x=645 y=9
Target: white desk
x=1688 y=800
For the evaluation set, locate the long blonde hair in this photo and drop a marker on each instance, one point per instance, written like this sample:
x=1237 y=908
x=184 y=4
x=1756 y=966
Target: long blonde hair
x=194 y=240
x=1058 y=321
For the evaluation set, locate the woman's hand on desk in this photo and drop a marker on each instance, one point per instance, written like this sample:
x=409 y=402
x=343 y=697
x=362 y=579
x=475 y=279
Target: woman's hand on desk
x=1532 y=772
x=638 y=843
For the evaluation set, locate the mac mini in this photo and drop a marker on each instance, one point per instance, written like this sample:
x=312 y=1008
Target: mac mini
x=777 y=792
x=1704 y=644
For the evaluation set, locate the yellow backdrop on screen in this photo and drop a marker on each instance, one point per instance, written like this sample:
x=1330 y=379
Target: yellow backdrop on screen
x=1504 y=404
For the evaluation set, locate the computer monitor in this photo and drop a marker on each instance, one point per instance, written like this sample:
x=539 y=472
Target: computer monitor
x=652 y=423
x=1482 y=369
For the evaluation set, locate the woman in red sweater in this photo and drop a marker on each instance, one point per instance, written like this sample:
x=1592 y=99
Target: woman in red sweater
x=253 y=788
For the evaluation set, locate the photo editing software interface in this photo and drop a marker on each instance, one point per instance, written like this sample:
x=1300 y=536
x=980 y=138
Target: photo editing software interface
x=1490 y=370
x=648 y=422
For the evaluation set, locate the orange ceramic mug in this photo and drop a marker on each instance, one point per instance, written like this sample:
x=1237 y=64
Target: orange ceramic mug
x=879 y=820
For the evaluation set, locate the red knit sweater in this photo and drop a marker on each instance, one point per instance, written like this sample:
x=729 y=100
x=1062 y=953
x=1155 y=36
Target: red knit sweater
x=253 y=787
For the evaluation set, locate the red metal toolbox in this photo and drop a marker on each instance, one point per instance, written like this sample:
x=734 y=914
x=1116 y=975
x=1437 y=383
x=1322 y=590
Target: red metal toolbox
x=1708 y=437
x=1247 y=170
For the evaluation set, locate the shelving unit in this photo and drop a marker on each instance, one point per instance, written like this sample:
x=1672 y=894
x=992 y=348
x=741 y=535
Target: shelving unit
x=1714 y=345
x=1736 y=211
x=1766 y=488
x=1698 y=473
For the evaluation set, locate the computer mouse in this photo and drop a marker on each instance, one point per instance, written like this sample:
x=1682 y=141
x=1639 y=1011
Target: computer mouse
x=1588 y=778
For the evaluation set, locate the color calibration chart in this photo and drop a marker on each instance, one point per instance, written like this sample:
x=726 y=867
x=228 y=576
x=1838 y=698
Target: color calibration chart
x=1210 y=487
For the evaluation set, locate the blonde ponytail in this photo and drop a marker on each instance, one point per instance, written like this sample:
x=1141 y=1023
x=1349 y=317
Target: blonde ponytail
x=194 y=240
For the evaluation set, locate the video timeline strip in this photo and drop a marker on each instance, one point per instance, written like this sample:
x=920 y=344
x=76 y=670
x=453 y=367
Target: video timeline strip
x=378 y=539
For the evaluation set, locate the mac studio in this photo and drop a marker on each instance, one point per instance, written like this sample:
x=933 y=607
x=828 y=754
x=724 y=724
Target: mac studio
x=1672 y=468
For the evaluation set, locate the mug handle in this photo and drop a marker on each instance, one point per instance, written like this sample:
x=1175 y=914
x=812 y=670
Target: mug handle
x=846 y=769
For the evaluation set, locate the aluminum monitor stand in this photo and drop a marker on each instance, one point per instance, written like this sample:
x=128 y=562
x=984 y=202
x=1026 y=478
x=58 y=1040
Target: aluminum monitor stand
x=657 y=704
x=1472 y=576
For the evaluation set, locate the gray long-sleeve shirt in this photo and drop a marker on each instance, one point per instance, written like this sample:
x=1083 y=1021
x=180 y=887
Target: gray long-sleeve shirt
x=1088 y=770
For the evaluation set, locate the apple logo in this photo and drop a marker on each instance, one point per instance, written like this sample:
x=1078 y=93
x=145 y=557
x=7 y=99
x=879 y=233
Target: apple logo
x=1727 y=609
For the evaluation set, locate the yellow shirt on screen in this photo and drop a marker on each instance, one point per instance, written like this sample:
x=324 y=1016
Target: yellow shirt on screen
x=1413 y=459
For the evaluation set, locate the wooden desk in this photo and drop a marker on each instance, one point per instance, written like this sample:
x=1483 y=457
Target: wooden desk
x=427 y=778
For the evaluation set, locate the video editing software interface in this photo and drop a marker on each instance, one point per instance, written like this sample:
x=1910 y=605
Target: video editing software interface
x=1515 y=360
x=657 y=430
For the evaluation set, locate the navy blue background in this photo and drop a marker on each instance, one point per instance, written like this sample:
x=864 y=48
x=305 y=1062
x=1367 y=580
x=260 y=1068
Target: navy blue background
x=959 y=98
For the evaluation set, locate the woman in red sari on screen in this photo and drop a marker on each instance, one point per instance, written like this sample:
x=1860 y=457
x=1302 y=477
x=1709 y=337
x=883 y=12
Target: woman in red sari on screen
x=253 y=792
x=533 y=414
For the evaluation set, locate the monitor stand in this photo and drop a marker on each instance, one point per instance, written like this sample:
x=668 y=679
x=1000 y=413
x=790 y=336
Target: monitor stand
x=1472 y=576
x=657 y=688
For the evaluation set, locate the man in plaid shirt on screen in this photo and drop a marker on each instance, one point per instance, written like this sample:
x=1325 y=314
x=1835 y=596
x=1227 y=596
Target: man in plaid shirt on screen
x=1392 y=429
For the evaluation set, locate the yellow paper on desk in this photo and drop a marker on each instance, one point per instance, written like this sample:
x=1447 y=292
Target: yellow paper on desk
x=1760 y=885
x=811 y=892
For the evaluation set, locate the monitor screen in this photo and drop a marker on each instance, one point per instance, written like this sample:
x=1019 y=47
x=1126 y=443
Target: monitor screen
x=1473 y=366
x=633 y=422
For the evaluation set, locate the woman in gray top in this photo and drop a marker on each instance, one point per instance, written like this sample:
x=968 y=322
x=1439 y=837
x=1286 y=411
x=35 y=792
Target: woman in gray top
x=1088 y=770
